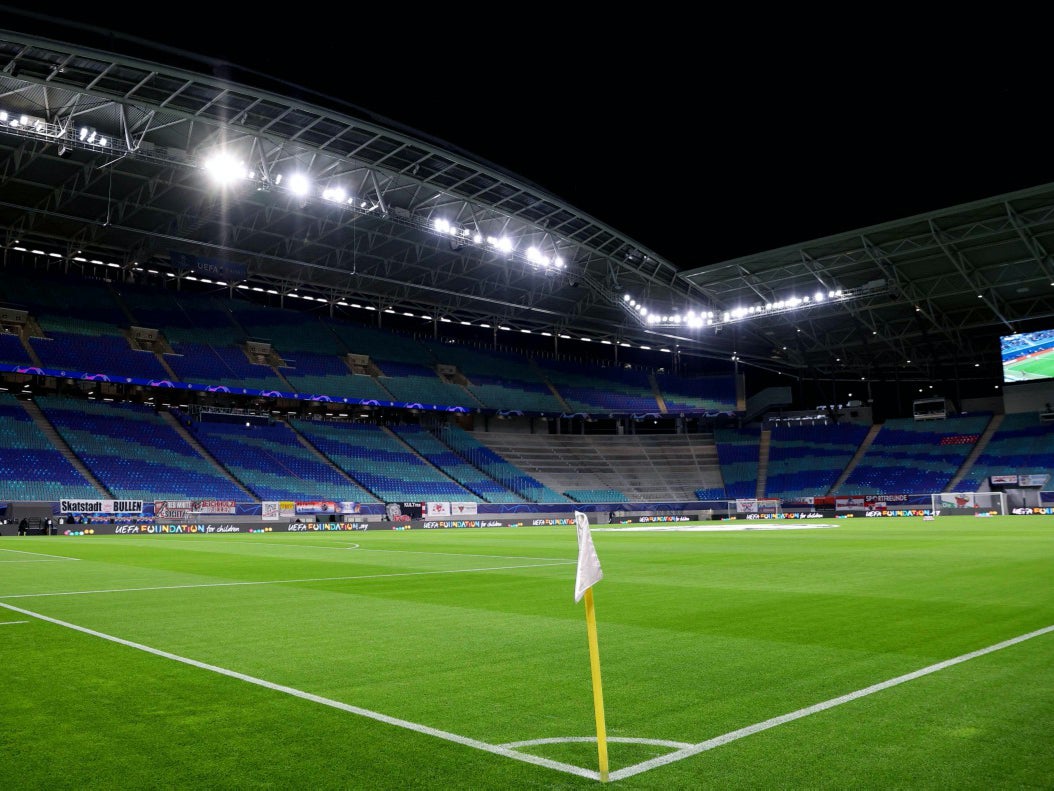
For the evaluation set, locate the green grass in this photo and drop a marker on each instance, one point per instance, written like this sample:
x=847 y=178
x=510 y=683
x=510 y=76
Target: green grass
x=475 y=633
x=1041 y=366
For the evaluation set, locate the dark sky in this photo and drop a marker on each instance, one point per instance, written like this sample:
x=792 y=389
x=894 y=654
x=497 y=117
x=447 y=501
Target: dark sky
x=700 y=144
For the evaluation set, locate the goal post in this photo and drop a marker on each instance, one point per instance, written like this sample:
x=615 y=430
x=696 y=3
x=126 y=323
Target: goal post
x=749 y=505
x=967 y=503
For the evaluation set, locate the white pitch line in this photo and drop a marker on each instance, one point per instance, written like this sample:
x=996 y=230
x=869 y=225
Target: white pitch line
x=732 y=736
x=706 y=529
x=275 y=582
x=336 y=704
x=8 y=623
x=41 y=560
x=38 y=554
x=148 y=538
x=593 y=739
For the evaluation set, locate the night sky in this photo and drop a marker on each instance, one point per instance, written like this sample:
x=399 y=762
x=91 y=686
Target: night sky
x=698 y=143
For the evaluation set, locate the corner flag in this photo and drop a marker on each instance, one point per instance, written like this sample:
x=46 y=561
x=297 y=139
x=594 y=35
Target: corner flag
x=589 y=571
x=589 y=574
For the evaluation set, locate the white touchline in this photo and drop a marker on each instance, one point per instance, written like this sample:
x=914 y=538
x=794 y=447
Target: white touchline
x=718 y=741
x=277 y=582
x=336 y=704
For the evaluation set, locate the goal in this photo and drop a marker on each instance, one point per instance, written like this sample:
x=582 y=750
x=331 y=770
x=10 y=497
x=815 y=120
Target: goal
x=959 y=503
x=746 y=506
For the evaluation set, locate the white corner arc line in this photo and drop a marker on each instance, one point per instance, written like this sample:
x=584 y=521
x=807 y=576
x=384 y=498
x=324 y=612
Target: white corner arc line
x=593 y=739
x=732 y=736
x=336 y=704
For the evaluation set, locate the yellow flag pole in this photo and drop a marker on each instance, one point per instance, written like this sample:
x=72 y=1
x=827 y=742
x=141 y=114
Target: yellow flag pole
x=598 y=692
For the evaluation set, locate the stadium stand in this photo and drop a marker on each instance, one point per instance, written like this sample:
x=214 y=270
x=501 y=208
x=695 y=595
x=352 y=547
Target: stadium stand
x=640 y=467
x=807 y=460
x=134 y=452
x=914 y=456
x=588 y=388
x=94 y=347
x=497 y=467
x=444 y=458
x=12 y=351
x=500 y=380
x=271 y=461
x=1022 y=445
x=381 y=462
x=739 y=452
x=31 y=467
x=711 y=394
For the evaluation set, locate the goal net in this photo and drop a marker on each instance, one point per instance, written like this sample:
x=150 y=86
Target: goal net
x=959 y=503
x=747 y=506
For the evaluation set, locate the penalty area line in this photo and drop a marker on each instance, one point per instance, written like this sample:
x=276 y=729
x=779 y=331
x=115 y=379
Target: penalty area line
x=336 y=704
x=757 y=727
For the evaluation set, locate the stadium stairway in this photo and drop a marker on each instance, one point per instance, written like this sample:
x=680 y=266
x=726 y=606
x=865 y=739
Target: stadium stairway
x=657 y=393
x=764 y=443
x=56 y=439
x=978 y=449
x=322 y=457
x=856 y=457
x=30 y=351
x=168 y=368
x=189 y=438
x=556 y=393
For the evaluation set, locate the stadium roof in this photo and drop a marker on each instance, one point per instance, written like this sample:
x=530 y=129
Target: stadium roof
x=104 y=157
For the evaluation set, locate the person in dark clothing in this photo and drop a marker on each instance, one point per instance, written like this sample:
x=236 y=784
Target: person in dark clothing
x=23 y=526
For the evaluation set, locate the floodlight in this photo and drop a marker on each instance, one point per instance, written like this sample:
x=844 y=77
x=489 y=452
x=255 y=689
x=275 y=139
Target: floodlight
x=299 y=184
x=335 y=194
x=224 y=169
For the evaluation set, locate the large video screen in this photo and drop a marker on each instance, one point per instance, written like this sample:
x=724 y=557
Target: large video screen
x=1028 y=356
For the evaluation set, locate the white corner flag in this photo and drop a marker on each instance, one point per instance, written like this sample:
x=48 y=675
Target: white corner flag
x=589 y=572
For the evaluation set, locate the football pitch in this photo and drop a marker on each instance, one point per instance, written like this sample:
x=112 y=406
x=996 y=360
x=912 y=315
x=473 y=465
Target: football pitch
x=864 y=653
x=1039 y=365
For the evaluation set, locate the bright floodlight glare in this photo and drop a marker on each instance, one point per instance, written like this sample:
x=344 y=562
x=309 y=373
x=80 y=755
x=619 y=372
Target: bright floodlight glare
x=505 y=244
x=224 y=169
x=625 y=297
x=299 y=184
x=441 y=225
x=559 y=262
x=335 y=194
